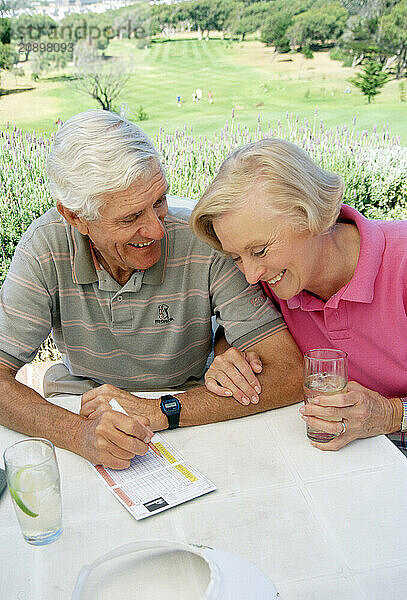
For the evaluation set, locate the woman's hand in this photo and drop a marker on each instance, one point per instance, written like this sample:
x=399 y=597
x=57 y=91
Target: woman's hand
x=233 y=374
x=360 y=413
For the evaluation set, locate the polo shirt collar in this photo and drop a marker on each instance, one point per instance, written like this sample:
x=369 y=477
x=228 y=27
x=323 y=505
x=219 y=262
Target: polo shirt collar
x=83 y=266
x=361 y=287
x=155 y=275
x=372 y=243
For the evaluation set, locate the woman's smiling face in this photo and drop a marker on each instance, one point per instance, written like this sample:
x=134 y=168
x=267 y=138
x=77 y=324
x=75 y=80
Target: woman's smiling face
x=266 y=248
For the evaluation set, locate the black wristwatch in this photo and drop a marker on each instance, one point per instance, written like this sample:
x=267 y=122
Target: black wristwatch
x=171 y=407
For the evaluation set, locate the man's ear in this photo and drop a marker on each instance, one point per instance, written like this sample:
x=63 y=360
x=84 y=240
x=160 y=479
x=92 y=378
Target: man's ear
x=72 y=218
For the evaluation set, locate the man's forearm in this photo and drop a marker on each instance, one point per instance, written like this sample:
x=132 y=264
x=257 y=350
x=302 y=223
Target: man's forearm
x=281 y=381
x=199 y=406
x=23 y=409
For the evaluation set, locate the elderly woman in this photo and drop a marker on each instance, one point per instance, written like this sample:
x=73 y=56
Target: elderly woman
x=338 y=278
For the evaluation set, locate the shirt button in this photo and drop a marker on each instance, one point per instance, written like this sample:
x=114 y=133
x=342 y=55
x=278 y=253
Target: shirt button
x=119 y=298
x=336 y=315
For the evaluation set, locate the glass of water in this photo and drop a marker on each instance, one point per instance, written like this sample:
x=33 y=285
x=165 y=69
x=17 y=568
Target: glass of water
x=34 y=484
x=325 y=374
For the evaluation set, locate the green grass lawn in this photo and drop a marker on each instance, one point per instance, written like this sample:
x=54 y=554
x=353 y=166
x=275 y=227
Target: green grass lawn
x=246 y=77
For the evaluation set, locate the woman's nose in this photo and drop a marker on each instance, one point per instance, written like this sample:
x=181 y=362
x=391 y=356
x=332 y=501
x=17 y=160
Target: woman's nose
x=253 y=272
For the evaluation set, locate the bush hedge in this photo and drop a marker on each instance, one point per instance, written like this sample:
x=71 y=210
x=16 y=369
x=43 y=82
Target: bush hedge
x=372 y=164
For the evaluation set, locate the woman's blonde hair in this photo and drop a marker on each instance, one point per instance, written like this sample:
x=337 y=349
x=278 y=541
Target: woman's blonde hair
x=294 y=185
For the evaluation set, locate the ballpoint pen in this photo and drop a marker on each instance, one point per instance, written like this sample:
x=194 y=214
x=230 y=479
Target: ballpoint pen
x=118 y=408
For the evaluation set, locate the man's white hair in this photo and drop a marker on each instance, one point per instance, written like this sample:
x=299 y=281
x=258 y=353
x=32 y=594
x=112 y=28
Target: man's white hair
x=93 y=153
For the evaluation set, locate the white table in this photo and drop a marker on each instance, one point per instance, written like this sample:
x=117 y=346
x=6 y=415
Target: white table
x=320 y=524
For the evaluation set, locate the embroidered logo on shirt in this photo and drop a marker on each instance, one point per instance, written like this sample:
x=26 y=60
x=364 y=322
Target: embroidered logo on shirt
x=258 y=300
x=163 y=314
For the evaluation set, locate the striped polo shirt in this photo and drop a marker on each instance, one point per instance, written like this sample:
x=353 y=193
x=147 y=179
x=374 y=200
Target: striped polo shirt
x=154 y=332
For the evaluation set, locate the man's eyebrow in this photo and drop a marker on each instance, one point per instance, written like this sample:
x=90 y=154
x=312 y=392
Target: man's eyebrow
x=129 y=216
x=138 y=212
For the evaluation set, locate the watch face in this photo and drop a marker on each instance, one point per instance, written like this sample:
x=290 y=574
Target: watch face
x=171 y=407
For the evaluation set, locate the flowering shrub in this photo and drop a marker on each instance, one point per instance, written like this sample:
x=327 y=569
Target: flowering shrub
x=373 y=166
x=23 y=191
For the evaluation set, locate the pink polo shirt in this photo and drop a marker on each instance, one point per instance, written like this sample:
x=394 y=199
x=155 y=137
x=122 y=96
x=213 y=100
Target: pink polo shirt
x=366 y=317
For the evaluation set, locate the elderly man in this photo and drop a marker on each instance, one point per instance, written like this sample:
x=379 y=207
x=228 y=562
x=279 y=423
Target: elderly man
x=128 y=293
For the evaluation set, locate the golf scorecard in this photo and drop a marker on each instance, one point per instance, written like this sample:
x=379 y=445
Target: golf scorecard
x=155 y=483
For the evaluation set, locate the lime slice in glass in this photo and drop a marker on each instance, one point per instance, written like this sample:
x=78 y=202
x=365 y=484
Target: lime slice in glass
x=16 y=497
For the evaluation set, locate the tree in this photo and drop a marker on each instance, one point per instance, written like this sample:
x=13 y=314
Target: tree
x=31 y=28
x=198 y=14
x=359 y=38
x=376 y=27
x=5 y=31
x=49 y=60
x=9 y=7
x=220 y=15
x=8 y=56
x=323 y=22
x=274 y=30
x=96 y=77
x=248 y=19
x=368 y=8
x=134 y=21
x=94 y=27
x=371 y=80
x=164 y=16
x=294 y=7
x=392 y=37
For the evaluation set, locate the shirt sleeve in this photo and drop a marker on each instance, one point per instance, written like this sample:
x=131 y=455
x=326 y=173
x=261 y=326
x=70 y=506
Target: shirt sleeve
x=246 y=315
x=25 y=310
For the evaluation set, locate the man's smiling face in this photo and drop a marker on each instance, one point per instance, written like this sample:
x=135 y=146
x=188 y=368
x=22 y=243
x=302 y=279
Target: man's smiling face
x=127 y=235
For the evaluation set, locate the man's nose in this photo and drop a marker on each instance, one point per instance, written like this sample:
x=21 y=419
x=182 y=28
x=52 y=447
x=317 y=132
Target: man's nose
x=252 y=271
x=153 y=227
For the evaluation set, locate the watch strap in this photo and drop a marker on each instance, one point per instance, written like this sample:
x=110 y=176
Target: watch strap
x=173 y=419
x=404 y=415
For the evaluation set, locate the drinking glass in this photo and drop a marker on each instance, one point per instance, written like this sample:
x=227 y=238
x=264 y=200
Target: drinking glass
x=325 y=374
x=34 y=483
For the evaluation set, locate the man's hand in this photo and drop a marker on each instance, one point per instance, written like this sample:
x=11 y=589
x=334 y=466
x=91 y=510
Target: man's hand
x=364 y=412
x=233 y=374
x=112 y=439
x=97 y=400
x=115 y=438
